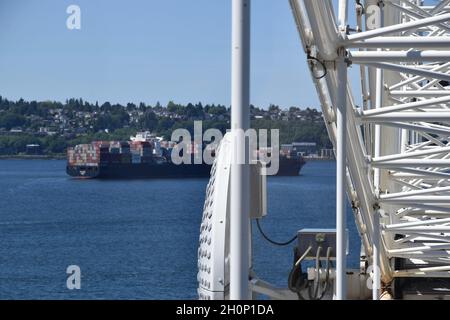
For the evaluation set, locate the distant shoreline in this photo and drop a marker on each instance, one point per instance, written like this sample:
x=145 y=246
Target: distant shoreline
x=33 y=157
x=63 y=157
x=319 y=159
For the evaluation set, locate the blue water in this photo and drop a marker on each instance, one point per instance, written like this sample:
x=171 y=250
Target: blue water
x=135 y=239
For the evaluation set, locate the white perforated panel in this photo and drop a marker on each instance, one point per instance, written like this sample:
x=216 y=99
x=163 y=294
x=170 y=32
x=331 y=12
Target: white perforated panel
x=213 y=248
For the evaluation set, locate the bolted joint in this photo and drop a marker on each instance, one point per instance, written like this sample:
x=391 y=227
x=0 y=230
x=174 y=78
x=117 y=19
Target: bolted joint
x=342 y=52
x=378 y=192
x=312 y=62
x=376 y=207
x=355 y=203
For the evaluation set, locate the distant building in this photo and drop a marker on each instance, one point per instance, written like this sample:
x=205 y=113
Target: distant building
x=33 y=149
x=300 y=148
x=327 y=153
x=285 y=149
x=16 y=130
x=305 y=148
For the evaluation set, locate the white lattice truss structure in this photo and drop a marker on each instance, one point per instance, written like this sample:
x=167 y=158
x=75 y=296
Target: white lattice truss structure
x=397 y=138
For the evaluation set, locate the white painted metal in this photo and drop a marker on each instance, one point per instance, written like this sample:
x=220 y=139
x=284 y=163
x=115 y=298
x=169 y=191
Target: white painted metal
x=341 y=160
x=398 y=156
x=419 y=93
x=379 y=96
x=214 y=243
x=430 y=21
x=397 y=56
x=213 y=250
x=402 y=43
x=341 y=199
x=376 y=285
x=415 y=71
x=438 y=102
x=392 y=145
x=240 y=169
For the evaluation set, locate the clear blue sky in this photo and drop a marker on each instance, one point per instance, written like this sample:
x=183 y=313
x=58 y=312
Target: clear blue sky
x=147 y=50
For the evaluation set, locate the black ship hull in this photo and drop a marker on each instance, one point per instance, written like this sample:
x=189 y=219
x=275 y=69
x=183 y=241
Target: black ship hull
x=139 y=171
x=287 y=167
x=290 y=166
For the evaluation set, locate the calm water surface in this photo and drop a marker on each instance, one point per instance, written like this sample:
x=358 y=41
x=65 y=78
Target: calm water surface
x=136 y=239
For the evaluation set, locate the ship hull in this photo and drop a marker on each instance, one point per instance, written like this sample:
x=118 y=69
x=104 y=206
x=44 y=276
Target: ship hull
x=288 y=167
x=140 y=171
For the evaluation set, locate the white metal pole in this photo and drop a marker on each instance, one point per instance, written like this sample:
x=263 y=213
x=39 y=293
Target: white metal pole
x=240 y=174
x=415 y=71
x=377 y=145
x=341 y=160
x=404 y=42
x=398 y=27
x=376 y=286
x=341 y=142
x=399 y=56
x=379 y=89
x=343 y=15
x=408 y=105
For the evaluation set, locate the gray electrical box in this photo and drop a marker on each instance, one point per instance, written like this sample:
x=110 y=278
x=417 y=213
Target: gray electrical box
x=315 y=238
x=258 y=192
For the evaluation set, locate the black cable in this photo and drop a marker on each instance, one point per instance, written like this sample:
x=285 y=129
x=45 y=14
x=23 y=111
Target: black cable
x=297 y=281
x=309 y=57
x=358 y=3
x=299 y=284
x=270 y=240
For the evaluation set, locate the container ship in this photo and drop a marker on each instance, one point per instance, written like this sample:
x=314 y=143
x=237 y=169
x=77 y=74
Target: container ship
x=146 y=156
